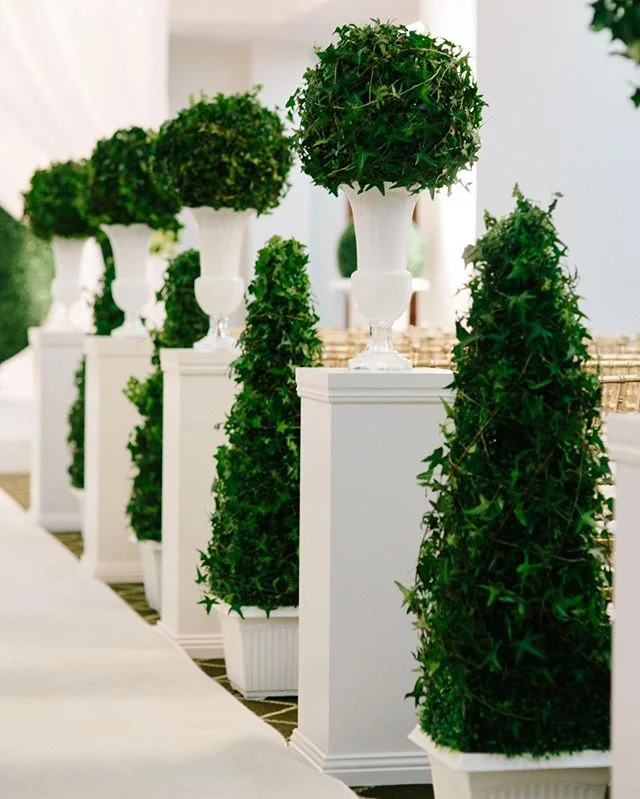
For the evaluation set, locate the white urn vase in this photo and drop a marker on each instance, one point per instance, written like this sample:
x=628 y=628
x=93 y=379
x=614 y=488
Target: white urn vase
x=65 y=289
x=219 y=289
x=130 y=289
x=381 y=285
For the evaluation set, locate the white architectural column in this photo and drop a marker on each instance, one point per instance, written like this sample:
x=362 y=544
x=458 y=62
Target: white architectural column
x=109 y=552
x=623 y=435
x=198 y=392
x=364 y=436
x=56 y=358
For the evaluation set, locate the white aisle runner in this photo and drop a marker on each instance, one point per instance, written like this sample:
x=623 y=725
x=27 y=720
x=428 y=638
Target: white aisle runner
x=95 y=704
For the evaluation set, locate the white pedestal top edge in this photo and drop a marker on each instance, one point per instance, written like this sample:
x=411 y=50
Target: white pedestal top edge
x=195 y=362
x=345 y=386
x=42 y=337
x=623 y=437
x=109 y=346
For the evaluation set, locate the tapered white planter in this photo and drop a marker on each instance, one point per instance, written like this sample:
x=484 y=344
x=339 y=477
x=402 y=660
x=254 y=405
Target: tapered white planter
x=219 y=289
x=261 y=654
x=463 y=775
x=65 y=288
x=131 y=289
x=78 y=493
x=381 y=285
x=151 y=562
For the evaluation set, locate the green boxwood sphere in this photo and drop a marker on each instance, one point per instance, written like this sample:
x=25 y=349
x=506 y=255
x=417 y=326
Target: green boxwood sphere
x=387 y=104
x=225 y=152
x=55 y=203
x=348 y=257
x=123 y=188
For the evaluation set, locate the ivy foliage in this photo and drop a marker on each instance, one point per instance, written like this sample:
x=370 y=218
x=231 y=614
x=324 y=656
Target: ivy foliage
x=510 y=601
x=106 y=317
x=225 y=152
x=252 y=557
x=55 y=203
x=123 y=187
x=387 y=104
x=348 y=252
x=184 y=324
x=622 y=19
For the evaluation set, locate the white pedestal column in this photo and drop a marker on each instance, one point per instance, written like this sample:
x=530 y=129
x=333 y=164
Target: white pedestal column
x=623 y=434
x=198 y=393
x=109 y=554
x=56 y=358
x=364 y=436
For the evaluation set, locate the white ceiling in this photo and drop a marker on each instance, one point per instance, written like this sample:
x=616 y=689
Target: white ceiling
x=300 y=20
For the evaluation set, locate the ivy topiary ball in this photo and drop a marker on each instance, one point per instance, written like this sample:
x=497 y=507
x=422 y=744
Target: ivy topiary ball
x=225 y=152
x=123 y=187
x=386 y=104
x=348 y=256
x=55 y=203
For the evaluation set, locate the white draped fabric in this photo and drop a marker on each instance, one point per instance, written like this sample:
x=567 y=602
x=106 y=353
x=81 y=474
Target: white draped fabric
x=73 y=71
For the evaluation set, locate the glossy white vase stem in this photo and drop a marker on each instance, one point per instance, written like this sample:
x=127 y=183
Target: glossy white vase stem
x=219 y=289
x=65 y=289
x=381 y=285
x=131 y=289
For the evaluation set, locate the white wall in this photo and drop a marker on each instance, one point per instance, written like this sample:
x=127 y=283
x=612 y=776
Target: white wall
x=559 y=119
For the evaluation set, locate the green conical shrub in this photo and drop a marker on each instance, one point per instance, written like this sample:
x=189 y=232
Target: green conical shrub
x=252 y=557
x=510 y=593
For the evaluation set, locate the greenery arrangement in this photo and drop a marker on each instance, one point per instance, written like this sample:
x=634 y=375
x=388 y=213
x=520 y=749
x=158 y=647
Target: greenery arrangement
x=252 y=557
x=225 y=152
x=622 y=19
x=510 y=588
x=26 y=270
x=123 y=187
x=56 y=202
x=184 y=324
x=106 y=317
x=348 y=254
x=387 y=104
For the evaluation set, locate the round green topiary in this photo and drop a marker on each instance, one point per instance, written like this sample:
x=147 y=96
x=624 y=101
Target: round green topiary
x=386 y=104
x=184 y=323
x=123 y=188
x=56 y=202
x=252 y=557
x=511 y=585
x=225 y=152
x=348 y=255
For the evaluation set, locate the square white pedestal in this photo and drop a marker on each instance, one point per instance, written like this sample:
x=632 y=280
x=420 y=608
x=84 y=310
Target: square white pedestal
x=364 y=436
x=198 y=393
x=56 y=355
x=109 y=552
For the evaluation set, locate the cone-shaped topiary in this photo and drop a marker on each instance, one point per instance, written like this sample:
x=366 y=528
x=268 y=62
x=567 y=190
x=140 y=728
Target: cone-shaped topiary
x=106 y=317
x=123 y=187
x=387 y=104
x=225 y=152
x=252 y=557
x=510 y=594
x=184 y=323
x=56 y=202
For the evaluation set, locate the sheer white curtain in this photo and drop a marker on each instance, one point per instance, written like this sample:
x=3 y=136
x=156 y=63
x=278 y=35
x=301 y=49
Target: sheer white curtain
x=74 y=71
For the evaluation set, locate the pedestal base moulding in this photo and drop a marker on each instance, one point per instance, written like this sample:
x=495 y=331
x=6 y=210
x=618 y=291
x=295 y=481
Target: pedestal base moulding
x=151 y=562
x=462 y=775
x=261 y=653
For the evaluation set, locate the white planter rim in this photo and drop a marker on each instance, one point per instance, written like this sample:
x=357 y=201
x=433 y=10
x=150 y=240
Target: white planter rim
x=149 y=544
x=119 y=226
x=480 y=762
x=223 y=208
x=257 y=613
x=388 y=186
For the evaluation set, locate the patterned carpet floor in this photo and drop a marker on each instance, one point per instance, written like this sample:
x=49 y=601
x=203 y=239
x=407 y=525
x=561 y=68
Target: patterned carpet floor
x=282 y=714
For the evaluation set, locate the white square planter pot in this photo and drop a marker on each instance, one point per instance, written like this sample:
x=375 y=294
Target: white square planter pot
x=462 y=775
x=261 y=654
x=151 y=562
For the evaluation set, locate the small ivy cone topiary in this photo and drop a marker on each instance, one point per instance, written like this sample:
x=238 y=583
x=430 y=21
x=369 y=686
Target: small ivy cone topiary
x=387 y=105
x=123 y=187
x=228 y=151
x=252 y=557
x=106 y=317
x=511 y=587
x=184 y=323
x=55 y=205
